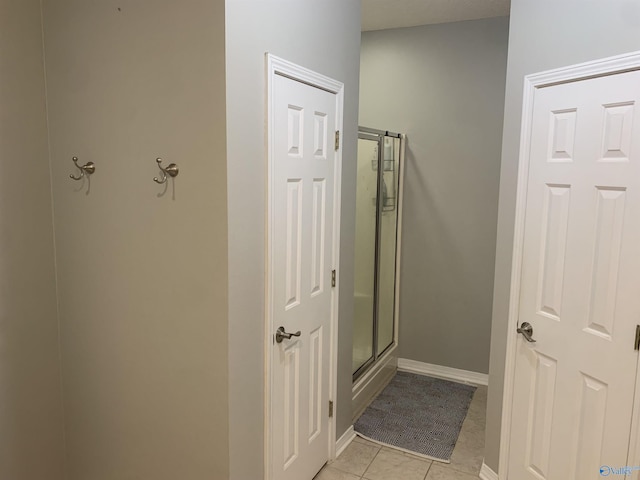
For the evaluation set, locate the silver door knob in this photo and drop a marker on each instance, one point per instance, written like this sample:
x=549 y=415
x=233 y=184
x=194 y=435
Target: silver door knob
x=281 y=334
x=527 y=331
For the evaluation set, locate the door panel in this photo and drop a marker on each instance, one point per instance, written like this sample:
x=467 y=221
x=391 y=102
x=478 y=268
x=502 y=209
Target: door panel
x=302 y=192
x=574 y=388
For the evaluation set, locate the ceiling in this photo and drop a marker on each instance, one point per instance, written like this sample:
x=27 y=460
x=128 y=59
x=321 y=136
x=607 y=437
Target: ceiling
x=383 y=14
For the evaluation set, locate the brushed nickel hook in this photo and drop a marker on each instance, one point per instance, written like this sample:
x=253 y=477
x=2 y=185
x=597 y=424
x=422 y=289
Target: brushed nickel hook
x=171 y=170
x=88 y=168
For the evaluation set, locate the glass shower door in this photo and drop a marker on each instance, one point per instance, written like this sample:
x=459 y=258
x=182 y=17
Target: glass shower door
x=365 y=252
x=376 y=245
x=387 y=239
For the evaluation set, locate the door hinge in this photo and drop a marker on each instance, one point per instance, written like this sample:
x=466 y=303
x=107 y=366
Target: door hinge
x=636 y=344
x=330 y=408
x=337 y=145
x=333 y=278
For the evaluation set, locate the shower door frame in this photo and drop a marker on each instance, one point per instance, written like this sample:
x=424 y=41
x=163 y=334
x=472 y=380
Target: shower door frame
x=378 y=136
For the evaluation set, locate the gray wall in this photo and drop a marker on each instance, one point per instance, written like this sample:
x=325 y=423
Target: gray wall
x=443 y=85
x=323 y=35
x=31 y=428
x=142 y=277
x=543 y=35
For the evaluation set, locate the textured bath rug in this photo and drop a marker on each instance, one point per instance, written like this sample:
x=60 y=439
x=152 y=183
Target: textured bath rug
x=417 y=414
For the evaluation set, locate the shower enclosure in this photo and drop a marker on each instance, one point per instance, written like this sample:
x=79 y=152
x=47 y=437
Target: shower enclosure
x=377 y=202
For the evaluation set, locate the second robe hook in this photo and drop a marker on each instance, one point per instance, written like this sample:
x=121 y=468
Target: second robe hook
x=171 y=170
x=88 y=168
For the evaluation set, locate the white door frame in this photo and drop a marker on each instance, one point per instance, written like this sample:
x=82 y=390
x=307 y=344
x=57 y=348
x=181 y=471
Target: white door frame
x=582 y=71
x=279 y=66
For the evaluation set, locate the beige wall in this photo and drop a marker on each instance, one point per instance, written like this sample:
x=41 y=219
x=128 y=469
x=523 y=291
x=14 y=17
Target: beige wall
x=543 y=35
x=443 y=85
x=323 y=35
x=142 y=277
x=31 y=427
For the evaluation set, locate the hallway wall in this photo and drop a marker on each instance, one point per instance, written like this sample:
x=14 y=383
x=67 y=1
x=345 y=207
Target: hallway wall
x=443 y=85
x=323 y=35
x=142 y=272
x=142 y=275
x=543 y=35
x=31 y=423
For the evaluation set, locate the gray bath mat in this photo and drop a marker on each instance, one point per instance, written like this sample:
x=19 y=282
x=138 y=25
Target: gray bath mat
x=418 y=414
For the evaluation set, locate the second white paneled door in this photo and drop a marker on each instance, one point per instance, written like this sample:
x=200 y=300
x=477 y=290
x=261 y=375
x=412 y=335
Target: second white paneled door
x=302 y=192
x=580 y=285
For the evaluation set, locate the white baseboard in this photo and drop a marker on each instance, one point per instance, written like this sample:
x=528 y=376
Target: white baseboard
x=344 y=441
x=448 y=373
x=486 y=473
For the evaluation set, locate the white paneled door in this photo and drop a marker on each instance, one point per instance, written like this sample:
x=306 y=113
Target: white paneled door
x=574 y=388
x=302 y=188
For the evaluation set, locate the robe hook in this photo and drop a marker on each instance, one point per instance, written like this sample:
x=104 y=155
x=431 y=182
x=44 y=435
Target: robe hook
x=88 y=168
x=171 y=171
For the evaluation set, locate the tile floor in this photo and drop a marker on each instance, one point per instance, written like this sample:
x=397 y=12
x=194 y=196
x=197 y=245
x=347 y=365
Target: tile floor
x=364 y=460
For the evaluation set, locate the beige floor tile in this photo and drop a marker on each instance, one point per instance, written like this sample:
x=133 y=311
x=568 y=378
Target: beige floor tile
x=330 y=473
x=477 y=417
x=466 y=459
x=475 y=420
x=356 y=458
x=394 y=465
x=472 y=434
x=472 y=439
x=478 y=406
x=439 y=472
x=469 y=451
x=365 y=441
x=477 y=414
x=481 y=394
x=408 y=454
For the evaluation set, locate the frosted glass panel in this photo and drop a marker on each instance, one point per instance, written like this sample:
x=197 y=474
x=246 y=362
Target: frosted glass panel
x=387 y=239
x=366 y=191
